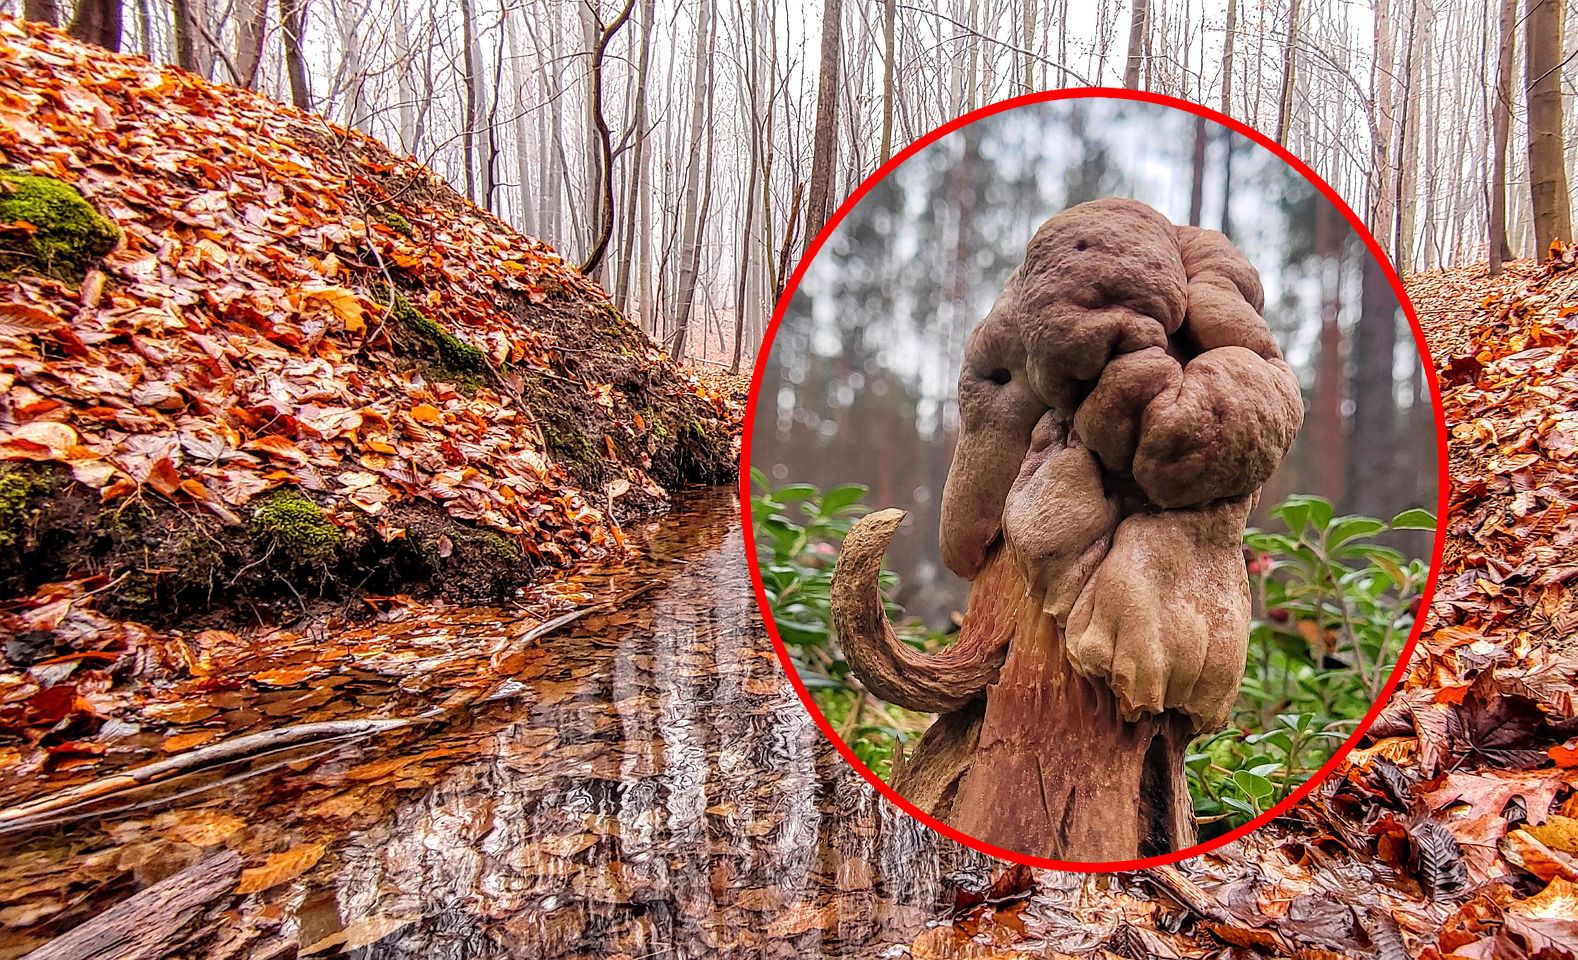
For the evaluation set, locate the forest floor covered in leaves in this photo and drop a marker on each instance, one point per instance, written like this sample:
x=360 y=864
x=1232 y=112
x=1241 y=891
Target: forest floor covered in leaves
x=255 y=368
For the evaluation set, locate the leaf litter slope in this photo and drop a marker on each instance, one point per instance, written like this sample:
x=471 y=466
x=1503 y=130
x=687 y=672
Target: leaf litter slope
x=292 y=304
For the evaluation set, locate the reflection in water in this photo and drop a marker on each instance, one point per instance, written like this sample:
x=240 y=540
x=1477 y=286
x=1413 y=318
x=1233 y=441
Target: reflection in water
x=647 y=785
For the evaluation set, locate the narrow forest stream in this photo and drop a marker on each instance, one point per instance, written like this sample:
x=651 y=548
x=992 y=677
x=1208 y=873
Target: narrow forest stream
x=645 y=783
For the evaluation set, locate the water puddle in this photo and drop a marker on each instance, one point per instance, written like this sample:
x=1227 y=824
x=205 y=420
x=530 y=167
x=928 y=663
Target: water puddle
x=642 y=783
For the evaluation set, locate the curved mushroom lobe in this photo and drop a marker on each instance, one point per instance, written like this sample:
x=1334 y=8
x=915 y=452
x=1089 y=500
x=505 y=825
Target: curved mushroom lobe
x=1120 y=406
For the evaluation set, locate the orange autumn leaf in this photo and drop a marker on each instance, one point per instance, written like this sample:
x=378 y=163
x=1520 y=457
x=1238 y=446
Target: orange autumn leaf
x=276 y=446
x=426 y=413
x=280 y=867
x=186 y=741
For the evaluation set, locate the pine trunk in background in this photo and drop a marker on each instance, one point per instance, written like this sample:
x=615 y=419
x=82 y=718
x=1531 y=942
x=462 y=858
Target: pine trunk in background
x=98 y=21
x=1547 y=170
x=1228 y=138
x=1289 y=62
x=1197 y=173
x=1501 y=126
x=291 y=19
x=825 y=139
x=1138 y=15
x=1328 y=438
x=1373 y=439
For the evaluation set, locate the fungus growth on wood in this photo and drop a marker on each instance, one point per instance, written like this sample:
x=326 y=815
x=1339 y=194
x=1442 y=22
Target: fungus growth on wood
x=1122 y=404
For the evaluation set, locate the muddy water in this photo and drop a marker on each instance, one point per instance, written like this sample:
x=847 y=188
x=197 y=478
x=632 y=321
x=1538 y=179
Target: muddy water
x=644 y=783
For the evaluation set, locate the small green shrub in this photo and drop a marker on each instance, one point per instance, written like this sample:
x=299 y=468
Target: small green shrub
x=298 y=527
x=798 y=531
x=1333 y=609
x=46 y=227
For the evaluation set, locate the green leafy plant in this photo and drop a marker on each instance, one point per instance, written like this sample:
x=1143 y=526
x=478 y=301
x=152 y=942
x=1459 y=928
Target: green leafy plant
x=798 y=531
x=1333 y=608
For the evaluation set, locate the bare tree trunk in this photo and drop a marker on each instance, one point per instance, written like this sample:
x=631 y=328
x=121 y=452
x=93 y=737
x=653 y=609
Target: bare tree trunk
x=1197 y=173
x=604 y=166
x=1226 y=225
x=186 y=37
x=1227 y=56
x=478 y=138
x=1139 y=16
x=44 y=11
x=1408 y=148
x=1289 y=61
x=748 y=197
x=690 y=230
x=98 y=21
x=473 y=66
x=1501 y=125
x=405 y=82
x=292 y=18
x=351 y=74
x=638 y=161
x=825 y=141
x=1028 y=37
x=249 y=41
x=889 y=12
x=1382 y=206
x=1547 y=168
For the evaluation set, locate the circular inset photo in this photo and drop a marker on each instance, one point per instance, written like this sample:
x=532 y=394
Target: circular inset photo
x=1094 y=462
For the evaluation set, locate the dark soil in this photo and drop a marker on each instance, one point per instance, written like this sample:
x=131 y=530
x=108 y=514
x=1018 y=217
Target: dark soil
x=166 y=564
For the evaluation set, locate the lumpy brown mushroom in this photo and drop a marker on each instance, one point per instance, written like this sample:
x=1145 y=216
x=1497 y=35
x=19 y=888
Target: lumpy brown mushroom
x=1121 y=405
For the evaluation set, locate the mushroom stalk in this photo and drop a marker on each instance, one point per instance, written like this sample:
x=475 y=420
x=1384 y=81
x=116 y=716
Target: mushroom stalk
x=891 y=669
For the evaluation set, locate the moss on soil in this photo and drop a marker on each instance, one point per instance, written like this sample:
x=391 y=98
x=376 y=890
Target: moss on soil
x=48 y=228
x=299 y=527
x=446 y=356
x=20 y=489
x=398 y=223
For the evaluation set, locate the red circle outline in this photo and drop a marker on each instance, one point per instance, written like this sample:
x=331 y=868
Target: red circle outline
x=765 y=349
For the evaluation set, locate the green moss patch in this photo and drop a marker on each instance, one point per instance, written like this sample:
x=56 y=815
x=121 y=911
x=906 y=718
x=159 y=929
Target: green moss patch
x=299 y=527
x=448 y=357
x=19 y=489
x=398 y=223
x=46 y=227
